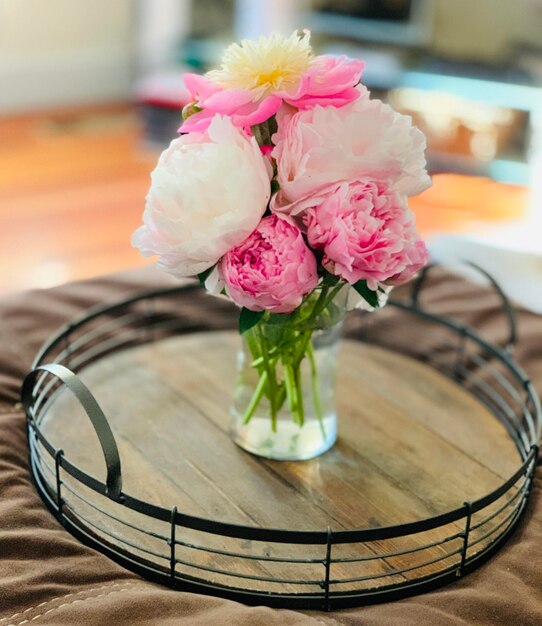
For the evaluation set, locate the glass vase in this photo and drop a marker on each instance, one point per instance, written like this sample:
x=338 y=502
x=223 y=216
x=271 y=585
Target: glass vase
x=284 y=404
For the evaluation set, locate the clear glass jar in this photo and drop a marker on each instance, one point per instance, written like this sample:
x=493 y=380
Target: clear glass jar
x=284 y=405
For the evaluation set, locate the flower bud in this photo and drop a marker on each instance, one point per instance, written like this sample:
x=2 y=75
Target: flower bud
x=190 y=109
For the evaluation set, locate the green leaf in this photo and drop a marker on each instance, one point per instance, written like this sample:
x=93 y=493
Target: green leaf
x=205 y=275
x=367 y=294
x=329 y=280
x=275 y=185
x=281 y=318
x=248 y=319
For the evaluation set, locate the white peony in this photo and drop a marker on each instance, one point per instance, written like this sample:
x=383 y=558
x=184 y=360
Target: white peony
x=208 y=193
x=365 y=140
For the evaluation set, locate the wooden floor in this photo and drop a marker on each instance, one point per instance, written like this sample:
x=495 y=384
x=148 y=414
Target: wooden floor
x=72 y=188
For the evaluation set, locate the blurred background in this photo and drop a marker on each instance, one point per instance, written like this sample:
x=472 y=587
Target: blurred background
x=90 y=92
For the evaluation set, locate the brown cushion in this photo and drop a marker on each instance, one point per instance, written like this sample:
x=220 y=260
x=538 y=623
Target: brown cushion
x=48 y=577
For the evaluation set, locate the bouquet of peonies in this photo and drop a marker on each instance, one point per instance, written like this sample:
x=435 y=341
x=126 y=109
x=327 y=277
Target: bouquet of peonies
x=287 y=187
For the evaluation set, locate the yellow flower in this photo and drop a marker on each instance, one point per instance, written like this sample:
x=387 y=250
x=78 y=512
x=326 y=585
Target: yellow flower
x=270 y=64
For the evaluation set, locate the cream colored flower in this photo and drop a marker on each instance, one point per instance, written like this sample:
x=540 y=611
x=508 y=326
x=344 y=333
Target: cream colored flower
x=265 y=66
x=208 y=193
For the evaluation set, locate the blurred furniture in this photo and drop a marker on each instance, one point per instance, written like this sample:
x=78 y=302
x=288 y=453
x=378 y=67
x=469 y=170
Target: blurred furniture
x=485 y=127
x=401 y=22
x=160 y=98
x=459 y=68
x=477 y=120
x=511 y=252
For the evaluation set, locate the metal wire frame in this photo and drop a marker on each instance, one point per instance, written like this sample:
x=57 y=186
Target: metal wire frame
x=106 y=329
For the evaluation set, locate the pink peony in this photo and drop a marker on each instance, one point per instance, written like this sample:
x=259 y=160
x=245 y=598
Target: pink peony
x=328 y=81
x=240 y=105
x=365 y=139
x=271 y=270
x=366 y=232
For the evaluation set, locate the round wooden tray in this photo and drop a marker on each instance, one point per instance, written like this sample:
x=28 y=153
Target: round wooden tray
x=418 y=453
x=411 y=443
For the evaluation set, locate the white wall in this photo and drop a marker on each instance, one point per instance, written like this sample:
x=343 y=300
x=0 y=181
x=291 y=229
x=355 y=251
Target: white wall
x=64 y=52
x=262 y=17
x=161 y=25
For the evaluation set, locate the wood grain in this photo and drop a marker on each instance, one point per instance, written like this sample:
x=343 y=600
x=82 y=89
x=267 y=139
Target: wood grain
x=412 y=444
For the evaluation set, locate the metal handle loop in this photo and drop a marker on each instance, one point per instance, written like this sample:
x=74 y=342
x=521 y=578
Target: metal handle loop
x=508 y=309
x=94 y=413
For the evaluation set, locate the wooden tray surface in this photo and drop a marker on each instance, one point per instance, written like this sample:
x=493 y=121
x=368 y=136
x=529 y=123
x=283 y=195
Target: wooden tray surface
x=412 y=444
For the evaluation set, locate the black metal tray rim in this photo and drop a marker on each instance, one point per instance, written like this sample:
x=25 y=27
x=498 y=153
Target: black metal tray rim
x=38 y=394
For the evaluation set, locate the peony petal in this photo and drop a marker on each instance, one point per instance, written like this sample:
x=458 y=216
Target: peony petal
x=196 y=123
x=333 y=74
x=327 y=76
x=365 y=138
x=214 y=283
x=262 y=111
x=227 y=101
x=366 y=232
x=200 y=87
x=272 y=270
x=208 y=193
x=336 y=100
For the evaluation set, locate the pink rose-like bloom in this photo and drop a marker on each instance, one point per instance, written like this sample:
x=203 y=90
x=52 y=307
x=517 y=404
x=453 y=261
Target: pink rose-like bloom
x=365 y=139
x=329 y=81
x=366 y=232
x=271 y=270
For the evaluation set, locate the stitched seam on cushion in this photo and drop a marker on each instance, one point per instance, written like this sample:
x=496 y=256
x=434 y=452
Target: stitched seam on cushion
x=70 y=603
x=127 y=587
x=68 y=595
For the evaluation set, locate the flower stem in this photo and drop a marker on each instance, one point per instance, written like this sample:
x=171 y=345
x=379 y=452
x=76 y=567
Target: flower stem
x=270 y=370
x=256 y=397
x=315 y=391
x=299 y=392
x=290 y=391
x=331 y=296
x=274 y=343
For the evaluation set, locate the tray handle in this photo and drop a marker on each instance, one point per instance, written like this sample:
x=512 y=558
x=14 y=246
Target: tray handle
x=508 y=309
x=94 y=413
